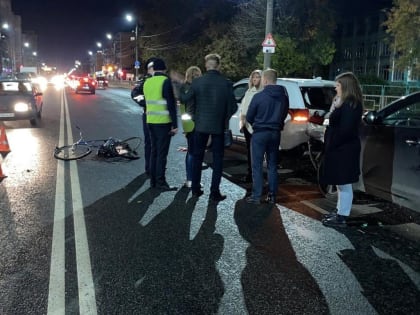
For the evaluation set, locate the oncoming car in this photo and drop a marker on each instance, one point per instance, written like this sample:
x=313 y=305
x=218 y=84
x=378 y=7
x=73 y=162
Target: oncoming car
x=390 y=156
x=20 y=100
x=307 y=97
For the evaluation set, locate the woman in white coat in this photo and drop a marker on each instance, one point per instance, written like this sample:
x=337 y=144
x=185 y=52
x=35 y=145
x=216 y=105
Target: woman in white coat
x=254 y=86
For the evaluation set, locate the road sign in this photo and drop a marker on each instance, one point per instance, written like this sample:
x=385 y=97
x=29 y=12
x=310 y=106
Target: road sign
x=269 y=41
x=137 y=64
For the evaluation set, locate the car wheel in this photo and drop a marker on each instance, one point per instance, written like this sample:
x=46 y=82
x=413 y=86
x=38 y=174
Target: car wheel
x=93 y=92
x=329 y=191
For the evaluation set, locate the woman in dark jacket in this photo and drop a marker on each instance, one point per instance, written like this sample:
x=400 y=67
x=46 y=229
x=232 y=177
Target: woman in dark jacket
x=342 y=146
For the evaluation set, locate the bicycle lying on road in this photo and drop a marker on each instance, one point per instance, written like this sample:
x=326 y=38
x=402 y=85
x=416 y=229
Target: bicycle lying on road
x=108 y=148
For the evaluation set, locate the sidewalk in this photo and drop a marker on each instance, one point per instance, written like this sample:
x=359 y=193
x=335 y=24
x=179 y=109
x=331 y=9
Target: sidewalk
x=120 y=84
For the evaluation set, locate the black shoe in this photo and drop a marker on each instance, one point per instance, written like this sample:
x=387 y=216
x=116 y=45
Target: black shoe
x=271 y=198
x=165 y=187
x=329 y=215
x=335 y=221
x=251 y=200
x=247 y=179
x=217 y=197
x=197 y=193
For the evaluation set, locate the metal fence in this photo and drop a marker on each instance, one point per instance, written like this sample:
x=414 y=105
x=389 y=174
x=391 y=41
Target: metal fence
x=378 y=96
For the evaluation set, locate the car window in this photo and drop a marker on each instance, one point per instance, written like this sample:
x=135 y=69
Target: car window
x=318 y=97
x=239 y=91
x=408 y=116
x=13 y=86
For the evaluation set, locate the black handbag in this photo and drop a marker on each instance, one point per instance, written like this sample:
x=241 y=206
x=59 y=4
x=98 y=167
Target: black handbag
x=227 y=138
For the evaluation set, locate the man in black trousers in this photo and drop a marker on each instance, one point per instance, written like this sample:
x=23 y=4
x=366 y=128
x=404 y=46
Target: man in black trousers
x=213 y=106
x=137 y=95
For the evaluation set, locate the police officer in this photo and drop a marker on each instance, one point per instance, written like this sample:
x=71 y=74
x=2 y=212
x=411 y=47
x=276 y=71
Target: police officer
x=137 y=95
x=162 y=121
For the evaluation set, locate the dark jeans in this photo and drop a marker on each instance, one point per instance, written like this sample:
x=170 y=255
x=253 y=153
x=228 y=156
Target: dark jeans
x=160 y=139
x=189 y=156
x=199 y=148
x=264 y=142
x=147 y=144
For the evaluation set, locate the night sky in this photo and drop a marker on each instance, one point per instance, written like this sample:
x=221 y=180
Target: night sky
x=68 y=29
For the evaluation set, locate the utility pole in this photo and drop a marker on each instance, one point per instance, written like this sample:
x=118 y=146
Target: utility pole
x=136 y=66
x=268 y=29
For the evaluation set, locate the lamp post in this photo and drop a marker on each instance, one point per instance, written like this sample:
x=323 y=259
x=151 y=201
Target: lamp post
x=92 y=63
x=24 y=57
x=130 y=18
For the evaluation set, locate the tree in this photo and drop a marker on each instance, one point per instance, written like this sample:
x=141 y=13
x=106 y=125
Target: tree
x=403 y=23
x=306 y=26
x=287 y=60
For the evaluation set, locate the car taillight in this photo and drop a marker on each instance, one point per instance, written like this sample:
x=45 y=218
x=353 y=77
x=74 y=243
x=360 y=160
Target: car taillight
x=299 y=115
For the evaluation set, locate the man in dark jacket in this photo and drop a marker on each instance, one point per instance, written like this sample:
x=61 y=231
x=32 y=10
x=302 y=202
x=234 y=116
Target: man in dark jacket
x=266 y=113
x=137 y=95
x=213 y=105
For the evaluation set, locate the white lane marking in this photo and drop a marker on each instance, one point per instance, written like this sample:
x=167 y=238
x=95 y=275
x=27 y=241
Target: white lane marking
x=87 y=301
x=56 y=294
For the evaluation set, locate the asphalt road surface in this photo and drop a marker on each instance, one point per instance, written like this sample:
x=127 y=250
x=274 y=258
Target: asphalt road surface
x=92 y=237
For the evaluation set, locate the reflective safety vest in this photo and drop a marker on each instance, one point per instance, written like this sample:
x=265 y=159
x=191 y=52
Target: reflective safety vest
x=156 y=106
x=186 y=119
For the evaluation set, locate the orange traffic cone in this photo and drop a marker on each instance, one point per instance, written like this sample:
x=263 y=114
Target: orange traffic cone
x=4 y=144
x=2 y=176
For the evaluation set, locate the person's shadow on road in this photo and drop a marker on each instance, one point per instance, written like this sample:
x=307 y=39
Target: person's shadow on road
x=155 y=269
x=273 y=280
x=383 y=269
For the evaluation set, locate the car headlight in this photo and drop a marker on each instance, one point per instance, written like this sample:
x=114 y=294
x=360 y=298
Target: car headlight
x=22 y=107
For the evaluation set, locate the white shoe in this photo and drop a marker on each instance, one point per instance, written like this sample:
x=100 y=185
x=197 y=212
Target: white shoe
x=188 y=184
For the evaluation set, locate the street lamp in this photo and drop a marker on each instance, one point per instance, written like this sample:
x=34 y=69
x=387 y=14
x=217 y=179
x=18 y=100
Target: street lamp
x=130 y=18
x=24 y=57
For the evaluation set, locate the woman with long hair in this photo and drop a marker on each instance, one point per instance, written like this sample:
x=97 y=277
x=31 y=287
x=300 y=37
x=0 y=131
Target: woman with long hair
x=342 y=146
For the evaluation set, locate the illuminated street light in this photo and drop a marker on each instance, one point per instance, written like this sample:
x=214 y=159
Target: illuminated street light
x=130 y=19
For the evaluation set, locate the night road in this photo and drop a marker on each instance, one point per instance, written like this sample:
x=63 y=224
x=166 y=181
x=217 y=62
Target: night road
x=91 y=236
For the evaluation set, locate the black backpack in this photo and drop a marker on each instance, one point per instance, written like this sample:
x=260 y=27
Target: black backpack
x=108 y=149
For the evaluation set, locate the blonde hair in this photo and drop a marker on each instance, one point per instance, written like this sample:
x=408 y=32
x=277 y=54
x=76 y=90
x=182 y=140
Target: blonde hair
x=270 y=75
x=212 y=61
x=250 y=84
x=192 y=73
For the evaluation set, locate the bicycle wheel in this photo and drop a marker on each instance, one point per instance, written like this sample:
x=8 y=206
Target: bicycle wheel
x=72 y=152
x=133 y=142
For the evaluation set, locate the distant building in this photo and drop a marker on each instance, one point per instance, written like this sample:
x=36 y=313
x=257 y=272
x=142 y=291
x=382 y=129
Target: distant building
x=363 y=47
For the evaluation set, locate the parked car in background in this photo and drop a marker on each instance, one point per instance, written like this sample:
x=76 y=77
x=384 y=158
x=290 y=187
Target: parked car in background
x=102 y=82
x=85 y=84
x=307 y=97
x=20 y=100
x=390 y=156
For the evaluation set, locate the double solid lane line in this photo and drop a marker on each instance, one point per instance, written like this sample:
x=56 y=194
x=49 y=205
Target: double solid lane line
x=57 y=291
